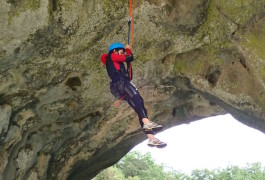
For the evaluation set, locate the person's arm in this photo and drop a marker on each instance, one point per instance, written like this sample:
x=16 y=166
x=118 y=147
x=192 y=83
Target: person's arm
x=118 y=58
x=128 y=50
x=123 y=58
x=104 y=58
x=129 y=55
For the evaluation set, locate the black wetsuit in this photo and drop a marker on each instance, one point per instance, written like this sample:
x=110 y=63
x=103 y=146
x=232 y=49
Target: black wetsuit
x=121 y=86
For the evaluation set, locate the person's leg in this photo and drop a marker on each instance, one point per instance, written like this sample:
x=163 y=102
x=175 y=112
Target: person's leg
x=121 y=88
x=150 y=136
x=145 y=120
x=142 y=115
x=136 y=102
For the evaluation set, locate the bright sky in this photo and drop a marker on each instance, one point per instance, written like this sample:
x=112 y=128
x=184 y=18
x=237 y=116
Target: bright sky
x=210 y=143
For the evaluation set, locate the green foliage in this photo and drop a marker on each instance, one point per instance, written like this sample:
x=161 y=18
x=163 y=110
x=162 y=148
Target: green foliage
x=251 y=172
x=143 y=166
x=112 y=172
x=136 y=166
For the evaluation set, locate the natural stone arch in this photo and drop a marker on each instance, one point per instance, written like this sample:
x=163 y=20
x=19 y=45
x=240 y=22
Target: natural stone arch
x=56 y=109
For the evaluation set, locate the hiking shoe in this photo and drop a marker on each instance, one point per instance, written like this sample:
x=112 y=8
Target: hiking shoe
x=151 y=126
x=156 y=143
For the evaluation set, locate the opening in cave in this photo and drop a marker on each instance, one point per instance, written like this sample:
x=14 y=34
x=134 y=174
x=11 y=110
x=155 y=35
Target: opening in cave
x=204 y=149
x=210 y=143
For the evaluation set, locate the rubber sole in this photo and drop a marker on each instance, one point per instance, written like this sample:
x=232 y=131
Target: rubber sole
x=154 y=129
x=158 y=146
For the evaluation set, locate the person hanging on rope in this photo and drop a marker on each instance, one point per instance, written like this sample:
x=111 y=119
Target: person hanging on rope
x=122 y=88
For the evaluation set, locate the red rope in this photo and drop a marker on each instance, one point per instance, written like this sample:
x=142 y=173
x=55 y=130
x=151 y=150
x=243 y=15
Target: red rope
x=131 y=15
x=117 y=103
x=130 y=8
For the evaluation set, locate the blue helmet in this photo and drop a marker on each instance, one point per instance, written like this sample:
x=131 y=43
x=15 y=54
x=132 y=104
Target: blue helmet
x=116 y=45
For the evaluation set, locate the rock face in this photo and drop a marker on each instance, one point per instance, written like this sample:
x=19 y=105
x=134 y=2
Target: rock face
x=193 y=59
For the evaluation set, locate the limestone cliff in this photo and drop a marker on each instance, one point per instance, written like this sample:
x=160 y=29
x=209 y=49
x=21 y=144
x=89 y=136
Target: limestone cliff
x=193 y=59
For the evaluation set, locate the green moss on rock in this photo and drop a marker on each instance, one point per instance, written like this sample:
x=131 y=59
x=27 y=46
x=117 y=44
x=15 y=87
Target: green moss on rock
x=19 y=6
x=260 y=100
x=196 y=62
x=225 y=17
x=115 y=9
x=256 y=42
x=253 y=41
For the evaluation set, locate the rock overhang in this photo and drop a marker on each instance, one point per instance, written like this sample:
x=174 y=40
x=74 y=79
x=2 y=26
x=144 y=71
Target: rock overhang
x=193 y=60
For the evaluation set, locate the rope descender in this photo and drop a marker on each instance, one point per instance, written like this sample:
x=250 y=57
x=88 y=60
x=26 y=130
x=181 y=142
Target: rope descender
x=129 y=29
x=130 y=22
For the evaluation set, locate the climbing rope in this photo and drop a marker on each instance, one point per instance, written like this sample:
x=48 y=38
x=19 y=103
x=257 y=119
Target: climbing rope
x=130 y=22
x=130 y=39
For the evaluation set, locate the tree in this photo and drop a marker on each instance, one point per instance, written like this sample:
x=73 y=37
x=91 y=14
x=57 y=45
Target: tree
x=136 y=166
x=135 y=163
x=112 y=172
x=203 y=174
x=251 y=172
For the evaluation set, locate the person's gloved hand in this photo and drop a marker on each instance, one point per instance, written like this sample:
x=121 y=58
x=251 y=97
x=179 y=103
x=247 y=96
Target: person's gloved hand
x=128 y=46
x=129 y=58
